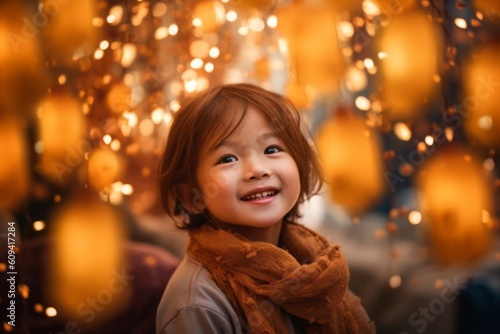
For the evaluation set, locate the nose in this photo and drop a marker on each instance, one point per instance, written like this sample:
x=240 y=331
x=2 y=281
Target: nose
x=256 y=169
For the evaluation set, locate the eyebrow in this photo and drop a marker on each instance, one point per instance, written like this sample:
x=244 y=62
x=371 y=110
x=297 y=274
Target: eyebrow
x=261 y=138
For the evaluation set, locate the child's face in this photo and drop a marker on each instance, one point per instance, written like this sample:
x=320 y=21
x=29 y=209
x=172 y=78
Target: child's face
x=249 y=179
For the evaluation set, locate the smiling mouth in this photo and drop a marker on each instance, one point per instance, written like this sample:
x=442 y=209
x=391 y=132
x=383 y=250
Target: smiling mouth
x=260 y=195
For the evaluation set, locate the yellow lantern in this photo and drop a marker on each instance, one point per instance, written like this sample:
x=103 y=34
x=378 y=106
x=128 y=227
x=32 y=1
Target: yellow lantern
x=104 y=168
x=313 y=48
x=119 y=98
x=69 y=28
x=456 y=202
x=208 y=15
x=411 y=43
x=480 y=104
x=351 y=157
x=23 y=67
x=87 y=259
x=62 y=128
x=14 y=173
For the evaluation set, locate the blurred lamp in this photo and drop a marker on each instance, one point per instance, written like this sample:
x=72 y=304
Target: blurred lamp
x=14 y=174
x=412 y=46
x=314 y=53
x=351 y=157
x=456 y=201
x=482 y=98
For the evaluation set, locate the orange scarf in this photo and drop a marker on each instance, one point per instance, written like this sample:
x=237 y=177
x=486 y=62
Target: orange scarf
x=308 y=278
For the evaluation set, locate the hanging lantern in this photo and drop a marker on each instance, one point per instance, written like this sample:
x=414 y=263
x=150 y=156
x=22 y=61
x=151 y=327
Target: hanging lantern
x=411 y=43
x=481 y=100
x=456 y=202
x=313 y=49
x=351 y=157
x=14 y=174
x=70 y=31
x=23 y=67
x=104 y=169
x=87 y=259
x=208 y=15
x=119 y=98
x=61 y=126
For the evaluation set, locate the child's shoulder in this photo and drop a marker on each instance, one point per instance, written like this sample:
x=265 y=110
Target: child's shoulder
x=191 y=293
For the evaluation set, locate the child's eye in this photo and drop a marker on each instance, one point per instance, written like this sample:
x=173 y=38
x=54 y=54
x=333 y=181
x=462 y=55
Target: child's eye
x=227 y=159
x=272 y=150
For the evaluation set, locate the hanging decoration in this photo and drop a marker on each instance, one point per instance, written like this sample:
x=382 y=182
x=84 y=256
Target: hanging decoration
x=351 y=156
x=455 y=198
x=411 y=46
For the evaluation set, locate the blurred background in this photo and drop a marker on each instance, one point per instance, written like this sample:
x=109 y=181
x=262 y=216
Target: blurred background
x=401 y=97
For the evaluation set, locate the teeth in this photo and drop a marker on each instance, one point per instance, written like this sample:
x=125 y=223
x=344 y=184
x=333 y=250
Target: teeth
x=259 y=195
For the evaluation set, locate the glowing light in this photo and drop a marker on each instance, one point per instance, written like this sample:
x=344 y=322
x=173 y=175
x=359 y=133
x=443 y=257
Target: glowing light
x=382 y=55
x=161 y=33
x=61 y=79
x=197 y=22
x=159 y=9
x=402 y=131
x=461 y=23
x=115 y=145
x=214 y=52
x=98 y=54
x=129 y=52
x=190 y=85
x=414 y=217
x=127 y=189
x=50 y=312
x=395 y=281
x=272 y=21
x=196 y=63
x=363 y=103
x=209 y=67
x=104 y=45
x=173 y=29
x=231 y=16
x=489 y=164
x=146 y=127
x=38 y=225
x=157 y=115
x=243 y=30
x=346 y=29
x=256 y=24
x=368 y=62
x=115 y=15
x=485 y=122
x=370 y=8
x=175 y=105
x=107 y=139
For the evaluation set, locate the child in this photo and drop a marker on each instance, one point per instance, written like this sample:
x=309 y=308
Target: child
x=236 y=168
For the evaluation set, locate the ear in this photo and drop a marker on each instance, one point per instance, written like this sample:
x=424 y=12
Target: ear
x=191 y=198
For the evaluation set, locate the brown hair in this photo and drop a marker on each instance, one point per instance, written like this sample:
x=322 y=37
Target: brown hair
x=210 y=118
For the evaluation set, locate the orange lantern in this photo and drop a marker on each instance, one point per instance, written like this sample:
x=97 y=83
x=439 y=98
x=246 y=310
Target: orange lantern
x=456 y=201
x=62 y=128
x=69 y=28
x=104 y=168
x=87 y=259
x=411 y=43
x=481 y=101
x=351 y=156
x=209 y=15
x=14 y=173
x=314 y=53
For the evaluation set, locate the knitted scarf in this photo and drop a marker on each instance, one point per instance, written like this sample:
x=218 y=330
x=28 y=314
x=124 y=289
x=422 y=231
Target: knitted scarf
x=307 y=278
